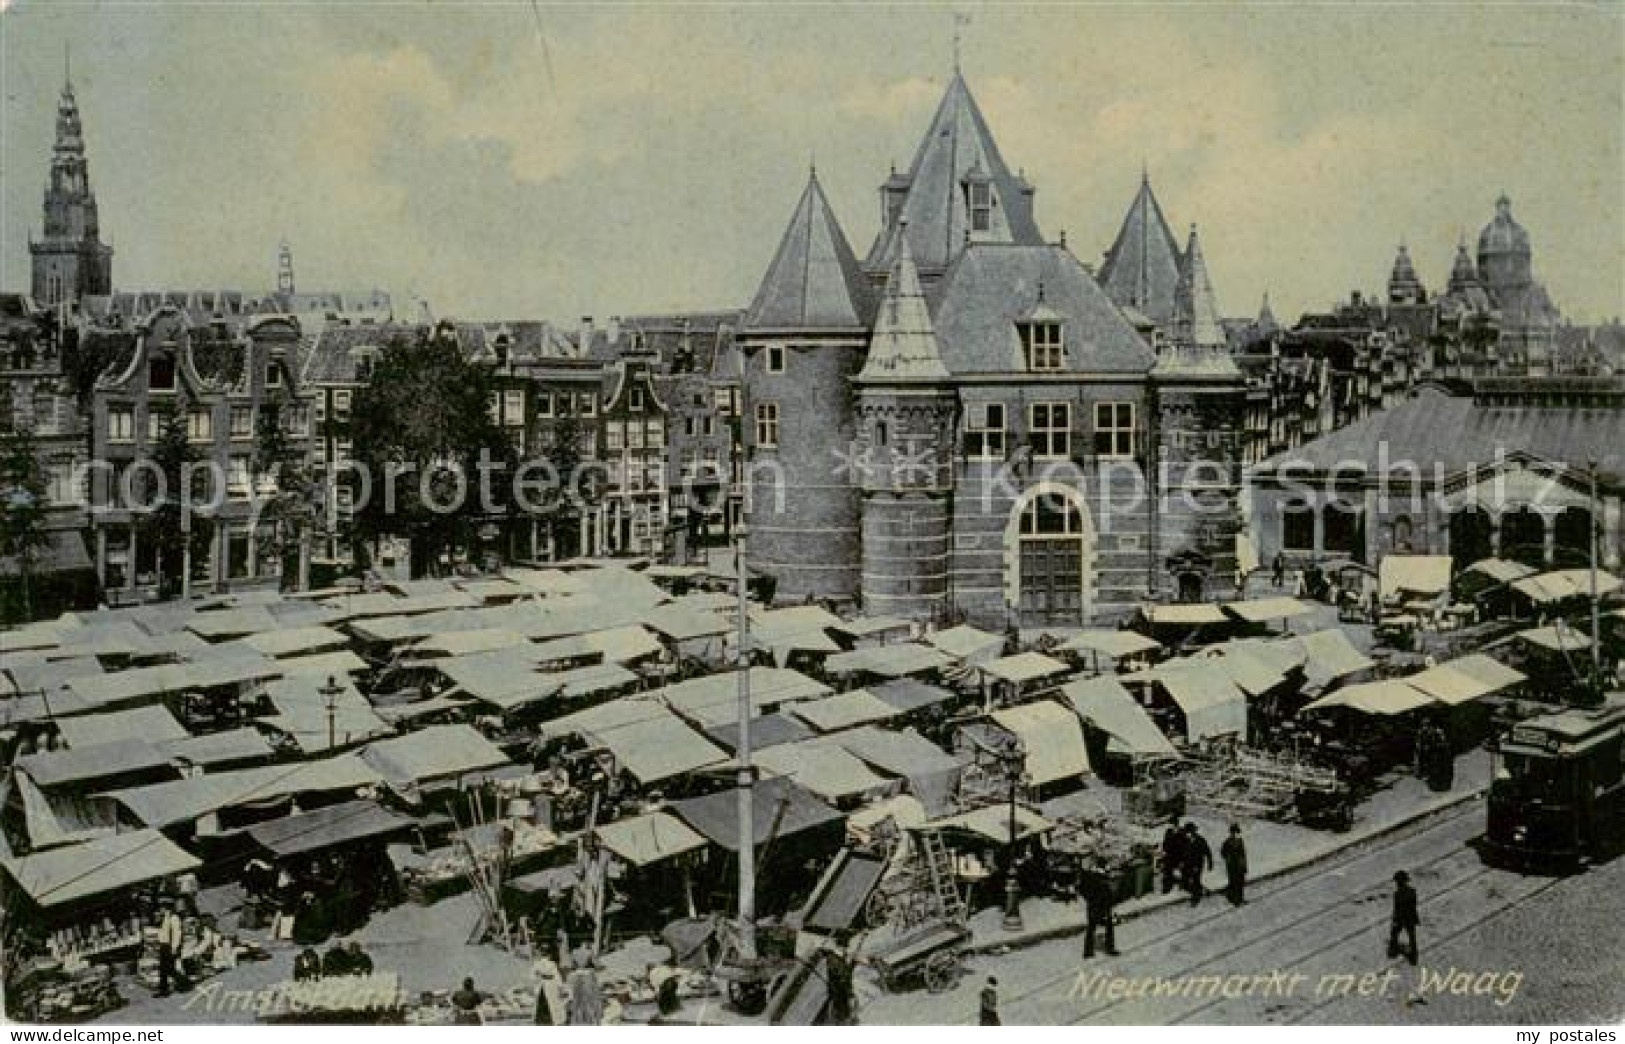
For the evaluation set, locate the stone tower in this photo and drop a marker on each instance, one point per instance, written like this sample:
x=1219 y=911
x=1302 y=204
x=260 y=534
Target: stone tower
x=69 y=259
x=804 y=338
x=904 y=454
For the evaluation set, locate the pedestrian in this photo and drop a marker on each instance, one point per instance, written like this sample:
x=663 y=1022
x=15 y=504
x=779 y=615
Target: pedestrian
x=336 y=961
x=1299 y=586
x=1234 y=854
x=1098 y=902
x=466 y=1003
x=171 y=934
x=1278 y=571
x=360 y=963
x=1405 y=918
x=990 y=1003
x=585 y=996
x=1198 y=858
x=1173 y=856
x=550 y=1009
x=307 y=966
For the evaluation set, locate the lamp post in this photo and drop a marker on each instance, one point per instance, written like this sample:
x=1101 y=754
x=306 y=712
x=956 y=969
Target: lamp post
x=330 y=699
x=1592 y=532
x=1012 y=760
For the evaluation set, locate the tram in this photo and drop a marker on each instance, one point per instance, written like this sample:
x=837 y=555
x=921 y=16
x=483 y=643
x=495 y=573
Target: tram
x=1558 y=794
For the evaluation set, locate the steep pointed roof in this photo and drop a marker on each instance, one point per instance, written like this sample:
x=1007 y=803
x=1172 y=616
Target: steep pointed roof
x=957 y=148
x=1265 y=323
x=1141 y=270
x=814 y=282
x=904 y=345
x=1196 y=312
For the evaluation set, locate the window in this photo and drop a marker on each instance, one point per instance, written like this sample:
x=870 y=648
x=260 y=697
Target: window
x=161 y=374
x=544 y=404
x=199 y=426
x=1050 y=429
x=710 y=426
x=634 y=435
x=494 y=407
x=299 y=421
x=60 y=489
x=513 y=405
x=341 y=404
x=1297 y=526
x=589 y=444
x=655 y=434
x=242 y=422
x=767 y=425
x=1114 y=429
x=691 y=426
x=689 y=462
x=635 y=404
x=1051 y=515
x=237 y=477
x=588 y=404
x=725 y=400
x=155 y=425
x=616 y=436
x=273 y=376
x=981 y=206
x=984 y=431
x=775 y=358
x=121 y=424
x=1043 y=345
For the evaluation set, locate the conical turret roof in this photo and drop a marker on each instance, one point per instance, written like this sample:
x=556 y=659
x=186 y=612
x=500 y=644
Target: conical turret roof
x=1141 y=270
x=1196 y=312
x=958 y=149
x=814 y=282
x=904 y=345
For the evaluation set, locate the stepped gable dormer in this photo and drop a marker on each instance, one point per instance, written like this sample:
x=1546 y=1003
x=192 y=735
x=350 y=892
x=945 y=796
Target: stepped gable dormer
x=958 y=190
x=814 y=282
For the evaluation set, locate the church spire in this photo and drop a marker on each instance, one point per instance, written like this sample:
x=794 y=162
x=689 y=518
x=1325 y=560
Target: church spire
x=904 y=345
x=69 y=260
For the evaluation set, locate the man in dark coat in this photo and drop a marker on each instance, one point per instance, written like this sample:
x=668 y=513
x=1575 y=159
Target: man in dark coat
x=336 y=961
x=1173 y=856
x=1098 y=901
x=1278 y=571
x=307 y=966
x=1234 y=854
x=989 y=1015
x=1405 y=918
x=1198 y=858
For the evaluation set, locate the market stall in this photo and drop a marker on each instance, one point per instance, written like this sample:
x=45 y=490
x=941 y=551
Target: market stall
x=1051 y=739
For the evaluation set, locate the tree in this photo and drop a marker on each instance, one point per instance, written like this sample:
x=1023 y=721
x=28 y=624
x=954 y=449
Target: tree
x=171 y=525
x=421 y=426
x=22 y=508
x=293 y=508
x=578 y=488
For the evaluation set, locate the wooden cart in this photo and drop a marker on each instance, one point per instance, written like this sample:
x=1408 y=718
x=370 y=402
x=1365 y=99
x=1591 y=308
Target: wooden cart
x=933 y=955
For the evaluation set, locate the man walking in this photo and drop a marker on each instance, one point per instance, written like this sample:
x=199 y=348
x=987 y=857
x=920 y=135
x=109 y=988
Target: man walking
x=990 y=1003
x=1234 y=854
x=1098 y=901
x=1198 y=858
x=1405 y=918
x=1173 y=856
x=1278 y=571
x=170 y=937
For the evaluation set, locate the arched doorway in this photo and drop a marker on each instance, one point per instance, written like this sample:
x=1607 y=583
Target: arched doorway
x=1470 y=539
x=1343 y=529
x=1049 y=542
x=1523 y=537
x=1572 y=537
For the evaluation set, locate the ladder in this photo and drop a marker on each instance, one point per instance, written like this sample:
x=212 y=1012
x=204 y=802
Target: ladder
x=939 y=866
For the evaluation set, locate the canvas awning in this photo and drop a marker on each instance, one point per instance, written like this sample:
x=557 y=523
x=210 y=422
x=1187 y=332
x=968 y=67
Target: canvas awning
x=890 y=661
x=932 y=773
x=1113 y=643
x=1108 y=706
x=145 y=684
x=616 y=645
x=153 y=724
x=221 y=624
x=240 y=745
x=681 y=623
x=1556 y=638
x=908 y=695
x=1425 y=575
x=1387 y=697
x=967 y=644
x=435 y=753
x=1329 y=655
x=1250 y=671
x=181 y=800
x=993 y=823
x=658 y=748
x=1261 y=610
x=843 y=711
x=1561 y=584
x=1025 y=667
x=334 y=826
x=80 y=766
x=1211 y=702
x=1499 y=570
x=713 y=699
x=466 y=643
x=613 y=714
x=869 y=626
x=1185 y=614
x=768 y=730
x=106 y=864
x=1498 y=676
x=295 y=641
x=826 y=770
x=340 y=662
x=303 y=716
x=26 y=639
x=649 y=838
x=779 y=810
x=1051 y=737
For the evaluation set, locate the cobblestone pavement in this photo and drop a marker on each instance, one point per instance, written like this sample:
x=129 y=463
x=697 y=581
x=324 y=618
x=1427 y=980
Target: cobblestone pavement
x=1310 y=947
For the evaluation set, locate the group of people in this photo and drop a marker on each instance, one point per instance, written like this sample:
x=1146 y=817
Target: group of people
x=340 y=959
x=1186 y=855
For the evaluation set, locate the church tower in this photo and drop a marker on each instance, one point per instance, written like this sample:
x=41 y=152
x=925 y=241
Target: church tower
x=906 y=414
x=803 y=339
x=70 y=260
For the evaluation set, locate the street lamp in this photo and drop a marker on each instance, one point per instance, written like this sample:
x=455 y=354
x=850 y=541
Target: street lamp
x=1013 y=762
x=330 y=699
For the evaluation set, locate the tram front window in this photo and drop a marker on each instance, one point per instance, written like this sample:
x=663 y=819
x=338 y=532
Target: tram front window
x=1543 y=779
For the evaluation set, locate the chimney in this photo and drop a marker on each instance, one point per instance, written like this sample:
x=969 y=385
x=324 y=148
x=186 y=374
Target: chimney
x=586 y=335
x=613 y=330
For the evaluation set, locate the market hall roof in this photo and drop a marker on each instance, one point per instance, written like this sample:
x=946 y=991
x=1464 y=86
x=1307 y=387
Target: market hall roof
x=1459 y=432
x=957 y=149
x=992 y=288
x=813 y=282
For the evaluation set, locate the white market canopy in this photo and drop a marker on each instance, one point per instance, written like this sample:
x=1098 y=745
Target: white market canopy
x=1185 y=614
x=993 y=823
x=1051 y=737
x=1563 y=584
x=1387 y=698
x=153 y=724
x=295 y=641
x=1025 y=667
x=657 y=748
x=826 y=770
x=432 y=754
x=650 y=838
x=1108 y=642
x=1329 y=655
x=617 y=645
x=713 y=699
x=967 y=644
x=96 y=867
x=1261 y=610
x=146 y=684
x=843 y=710
x=1556 y=638
x=1425 y=575
x=1108 y=706
x=1211 y=702
x=890 y=661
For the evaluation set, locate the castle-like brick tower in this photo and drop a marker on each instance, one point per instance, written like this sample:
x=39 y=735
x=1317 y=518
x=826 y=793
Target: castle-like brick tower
x=70 y=261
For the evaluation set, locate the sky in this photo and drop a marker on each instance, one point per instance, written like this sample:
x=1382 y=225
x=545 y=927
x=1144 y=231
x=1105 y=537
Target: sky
x=508 y=160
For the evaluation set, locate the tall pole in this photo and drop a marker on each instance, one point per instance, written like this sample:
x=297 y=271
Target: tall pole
x=747 y=817
x=1594 y=522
